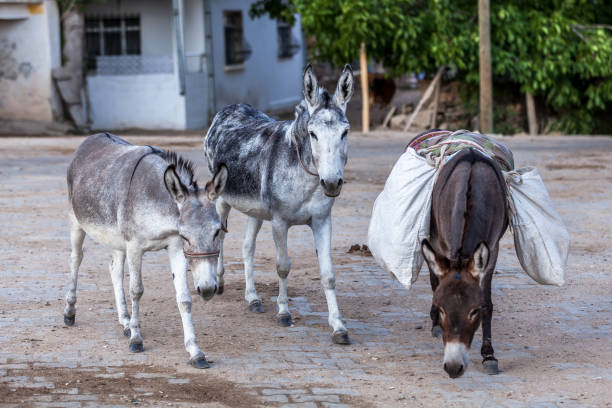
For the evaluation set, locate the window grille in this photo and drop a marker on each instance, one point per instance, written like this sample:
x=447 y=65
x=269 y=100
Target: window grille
x=236 y=48
x=111 y=35
x=287 y=44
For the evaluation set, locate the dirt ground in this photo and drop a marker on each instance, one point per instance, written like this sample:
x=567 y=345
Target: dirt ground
x=554 y=345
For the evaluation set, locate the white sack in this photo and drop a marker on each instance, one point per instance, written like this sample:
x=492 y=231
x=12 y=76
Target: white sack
x=540 y=238
x=400 y=217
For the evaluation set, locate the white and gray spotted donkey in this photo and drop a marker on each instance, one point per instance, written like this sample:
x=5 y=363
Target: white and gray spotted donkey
x=135 y=199
x=287 y=173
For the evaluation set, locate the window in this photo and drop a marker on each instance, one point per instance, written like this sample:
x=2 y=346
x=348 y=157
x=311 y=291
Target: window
x=287 y=45
x=111 y=36
x=236 y=48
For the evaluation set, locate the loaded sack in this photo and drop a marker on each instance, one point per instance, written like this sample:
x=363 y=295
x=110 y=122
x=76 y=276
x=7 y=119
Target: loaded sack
x=401 y=215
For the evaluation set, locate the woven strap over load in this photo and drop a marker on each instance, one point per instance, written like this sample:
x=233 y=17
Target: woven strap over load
x=435 y=145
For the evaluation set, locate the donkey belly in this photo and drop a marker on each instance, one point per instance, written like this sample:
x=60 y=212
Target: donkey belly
x=106 y=235
x=248 y=206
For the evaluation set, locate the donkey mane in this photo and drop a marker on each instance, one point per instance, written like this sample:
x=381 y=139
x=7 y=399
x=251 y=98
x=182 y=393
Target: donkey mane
x=297 y=129
x=184 y=167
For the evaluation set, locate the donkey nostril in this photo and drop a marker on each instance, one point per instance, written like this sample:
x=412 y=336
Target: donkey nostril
x=322 y=183
x=198 y=288
x=340 y=182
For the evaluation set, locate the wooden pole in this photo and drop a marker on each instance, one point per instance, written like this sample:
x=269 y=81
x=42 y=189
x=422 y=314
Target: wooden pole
x=531 y=114
x=365 y=97
x=436 y=102
x=425 y=98
x=486 y=86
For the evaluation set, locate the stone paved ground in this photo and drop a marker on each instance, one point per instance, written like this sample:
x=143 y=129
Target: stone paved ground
x=554 y=344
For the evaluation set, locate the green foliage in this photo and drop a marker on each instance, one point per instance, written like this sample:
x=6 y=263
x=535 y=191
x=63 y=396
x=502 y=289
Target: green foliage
x=559 y=50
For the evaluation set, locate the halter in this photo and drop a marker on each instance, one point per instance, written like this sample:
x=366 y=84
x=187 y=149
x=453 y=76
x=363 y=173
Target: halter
x=297 y=150
x=200 y=255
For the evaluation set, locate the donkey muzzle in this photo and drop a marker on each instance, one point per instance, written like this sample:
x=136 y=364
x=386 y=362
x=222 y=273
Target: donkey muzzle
x=207 y=292
x=332 y=187
x=455 y=359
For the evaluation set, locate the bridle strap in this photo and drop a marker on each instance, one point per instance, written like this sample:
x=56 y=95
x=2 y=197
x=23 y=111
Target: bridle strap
x=297 y=150
x=201 y=254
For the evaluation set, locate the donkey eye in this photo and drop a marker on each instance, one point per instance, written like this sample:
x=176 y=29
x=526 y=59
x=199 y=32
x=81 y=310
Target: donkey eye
x=216 y=234
x=474 y=314
x=442 y=314
x=185 y=238
x=313 y=135
x=344 y=135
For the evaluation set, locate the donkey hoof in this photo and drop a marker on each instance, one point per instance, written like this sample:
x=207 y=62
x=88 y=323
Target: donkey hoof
x=491 y=367
x=436 y=331
x=199 y=362
x=256 y=306
x=284 y=320
x=127 y=332
x=220 y=290
x=69 y=320
x=136 y=348
x=341 y=337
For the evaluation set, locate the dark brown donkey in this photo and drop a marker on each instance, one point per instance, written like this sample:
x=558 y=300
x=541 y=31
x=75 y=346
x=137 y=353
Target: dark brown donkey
x=468 y=218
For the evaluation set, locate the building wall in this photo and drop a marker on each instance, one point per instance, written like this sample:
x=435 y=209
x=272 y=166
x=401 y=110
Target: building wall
x=266 y=82
x=148 y=101
x=156 y=31
x=29 y=49
x=136 y=101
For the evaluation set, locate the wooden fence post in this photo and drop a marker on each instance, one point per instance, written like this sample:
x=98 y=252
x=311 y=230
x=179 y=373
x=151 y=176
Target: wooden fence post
x=531 y=114
x=486 y=86
x=365 y=94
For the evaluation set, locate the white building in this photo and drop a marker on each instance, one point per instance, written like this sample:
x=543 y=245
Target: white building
x=29 y=50
x=151 y=64
x=171 y=64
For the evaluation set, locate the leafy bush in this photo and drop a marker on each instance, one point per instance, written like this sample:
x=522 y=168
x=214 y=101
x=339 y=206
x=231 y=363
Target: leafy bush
x=559 y=50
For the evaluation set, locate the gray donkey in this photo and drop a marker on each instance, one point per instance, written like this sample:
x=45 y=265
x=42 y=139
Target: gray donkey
x=136 y=199
x=287 y=173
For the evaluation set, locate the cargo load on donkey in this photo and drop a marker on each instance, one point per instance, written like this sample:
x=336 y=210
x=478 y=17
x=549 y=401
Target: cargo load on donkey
x=448 y=201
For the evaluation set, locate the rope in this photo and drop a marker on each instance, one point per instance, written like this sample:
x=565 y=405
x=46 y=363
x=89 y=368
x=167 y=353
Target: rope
x=516 y=178
x=297 y=150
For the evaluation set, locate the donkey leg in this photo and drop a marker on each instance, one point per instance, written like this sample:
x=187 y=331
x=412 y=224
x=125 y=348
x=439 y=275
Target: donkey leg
x=322 y=236
x=434 y=313
x=178 y=264
x=116 y=271
x=223 y=209
x=77 y=235
x=248 y=251
x=134 y=260
x=489 y=361
x=283 y=265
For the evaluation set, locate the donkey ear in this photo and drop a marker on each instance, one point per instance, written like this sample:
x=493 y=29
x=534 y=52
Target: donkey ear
x=215 y=187
x=311 y=88
x=480 y=258
x=175 y=187
x=345 y=88
x=431 y=258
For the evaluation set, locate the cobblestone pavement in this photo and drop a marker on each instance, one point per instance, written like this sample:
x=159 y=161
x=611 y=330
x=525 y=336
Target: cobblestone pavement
x=554 y=344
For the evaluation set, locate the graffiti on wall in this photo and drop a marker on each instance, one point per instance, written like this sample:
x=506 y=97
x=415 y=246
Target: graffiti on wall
x=9 y=67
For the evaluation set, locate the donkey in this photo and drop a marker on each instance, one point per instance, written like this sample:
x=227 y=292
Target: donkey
x=135 y=199
x=288 y=173
x=468 y=218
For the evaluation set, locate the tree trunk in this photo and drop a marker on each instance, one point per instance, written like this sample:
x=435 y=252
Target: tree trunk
x=365 y=97
x=69 y=77
x=486 y=86
x=531 y=114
